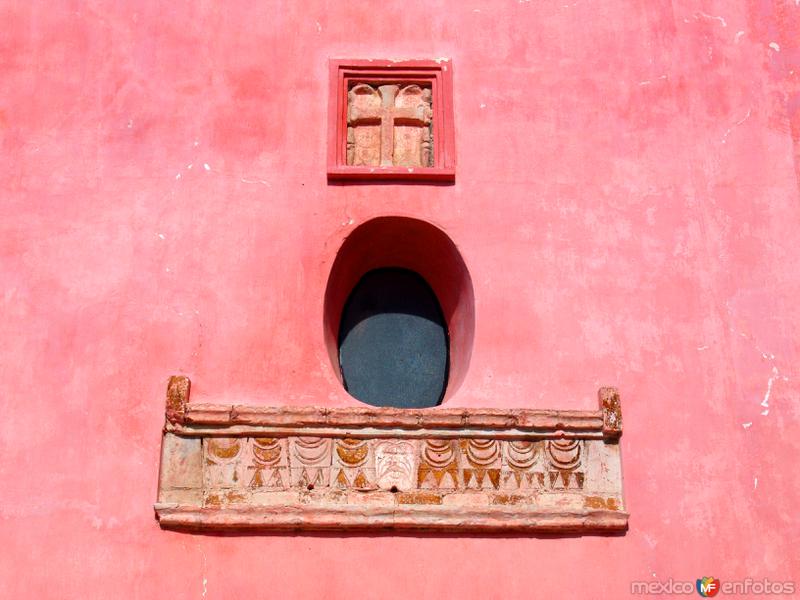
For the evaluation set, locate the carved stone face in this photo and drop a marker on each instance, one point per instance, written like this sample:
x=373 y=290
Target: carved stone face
x=394 y=465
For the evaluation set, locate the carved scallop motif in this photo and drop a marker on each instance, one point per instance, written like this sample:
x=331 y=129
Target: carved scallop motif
x=224 y=448
x=352 y=453
x=482 y=453
x=522 y=454
x=565 y=455
x=312 y=451
x=266 y=451
x=439 y=453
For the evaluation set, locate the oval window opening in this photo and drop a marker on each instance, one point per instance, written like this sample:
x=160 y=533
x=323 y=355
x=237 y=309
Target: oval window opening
x=393 y=342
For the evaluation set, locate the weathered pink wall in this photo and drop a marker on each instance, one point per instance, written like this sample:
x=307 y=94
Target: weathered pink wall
x=626 y=201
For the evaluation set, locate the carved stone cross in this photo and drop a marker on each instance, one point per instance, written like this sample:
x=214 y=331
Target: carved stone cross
x=389 y=126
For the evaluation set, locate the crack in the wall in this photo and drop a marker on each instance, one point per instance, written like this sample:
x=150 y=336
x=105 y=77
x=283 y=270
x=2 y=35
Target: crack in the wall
x=739 y=122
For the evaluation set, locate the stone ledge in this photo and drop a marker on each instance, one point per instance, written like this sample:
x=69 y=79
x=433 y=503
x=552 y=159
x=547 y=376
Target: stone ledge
x=215 y=414
x=439 y=519
x=210 y=419
x=240 y=467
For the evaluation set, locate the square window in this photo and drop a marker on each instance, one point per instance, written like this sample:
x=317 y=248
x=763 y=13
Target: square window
x=391 y=120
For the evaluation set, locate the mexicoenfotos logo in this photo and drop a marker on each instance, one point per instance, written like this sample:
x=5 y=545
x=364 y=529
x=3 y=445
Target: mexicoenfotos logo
x=708 y=587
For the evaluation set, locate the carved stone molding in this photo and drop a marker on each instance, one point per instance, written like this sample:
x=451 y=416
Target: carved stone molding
x=391 y=120
x=233 y=467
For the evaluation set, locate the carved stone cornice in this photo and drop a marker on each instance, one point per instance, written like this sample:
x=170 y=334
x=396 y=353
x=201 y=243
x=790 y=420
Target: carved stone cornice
x=236 y=467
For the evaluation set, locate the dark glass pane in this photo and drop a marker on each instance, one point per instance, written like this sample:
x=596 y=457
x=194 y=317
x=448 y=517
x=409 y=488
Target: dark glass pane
x=393 y=346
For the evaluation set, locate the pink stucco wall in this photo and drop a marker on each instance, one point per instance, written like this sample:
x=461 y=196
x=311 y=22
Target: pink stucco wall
x=626 y=201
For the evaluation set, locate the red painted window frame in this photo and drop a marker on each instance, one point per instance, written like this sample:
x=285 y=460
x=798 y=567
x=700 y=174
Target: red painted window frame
x=437 y=73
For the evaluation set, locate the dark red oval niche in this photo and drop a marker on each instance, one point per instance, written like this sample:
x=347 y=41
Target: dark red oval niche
x=393 y=341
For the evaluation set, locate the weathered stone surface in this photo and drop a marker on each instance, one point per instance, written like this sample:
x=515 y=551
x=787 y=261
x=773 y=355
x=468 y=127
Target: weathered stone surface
x=177 y=397
x=454 y=519
x=395 y=464
x=612 y=411
x=205 y=419
x=497 y=474
x=181 y=472
x=389 y=125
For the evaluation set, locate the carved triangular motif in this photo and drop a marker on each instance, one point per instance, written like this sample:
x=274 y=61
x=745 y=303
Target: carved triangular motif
x=467 y=476
x=341 y=479
x=276 y=480
x=257 y=480
x=303 y=481
x=479 y=475
x=453 y=472
x=422 y=473
x=319 y=477
x=518 y=477
x=437 y=475
x=360 y=480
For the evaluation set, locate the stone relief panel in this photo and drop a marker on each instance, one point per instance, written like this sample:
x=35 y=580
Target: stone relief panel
x=389 y=125
x=481 y=463
x=391 y=120
x=223 y=466
x=311 y=461
x=523 y=466
x=564 y=459
x=270 y=466
x=263 y=467
x=443 y=465
x=438 y=467
x=353 y=464
x=395 y=464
